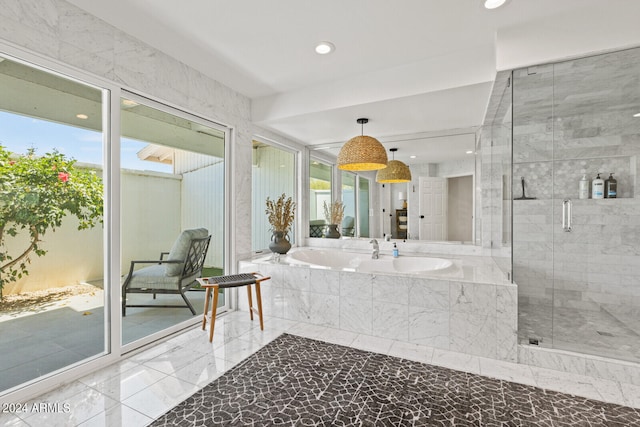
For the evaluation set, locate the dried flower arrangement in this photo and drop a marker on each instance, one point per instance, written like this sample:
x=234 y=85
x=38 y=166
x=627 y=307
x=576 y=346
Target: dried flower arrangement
x=280 y=213
x=334 y=213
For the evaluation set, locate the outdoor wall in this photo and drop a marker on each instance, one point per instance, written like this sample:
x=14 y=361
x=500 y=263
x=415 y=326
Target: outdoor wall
x=202 y=206
x=273 y=173
x=150 y=215
x=77 y=256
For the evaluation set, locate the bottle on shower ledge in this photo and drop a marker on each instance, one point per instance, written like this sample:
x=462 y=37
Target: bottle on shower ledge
x=583 y=189
x=597 y=188
x=611 y=187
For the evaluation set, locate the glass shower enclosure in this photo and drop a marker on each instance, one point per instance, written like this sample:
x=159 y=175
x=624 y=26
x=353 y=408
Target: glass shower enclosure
x=577 y=261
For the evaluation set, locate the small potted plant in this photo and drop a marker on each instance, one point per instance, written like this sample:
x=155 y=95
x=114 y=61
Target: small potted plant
x=280 y=214
x=333 y=214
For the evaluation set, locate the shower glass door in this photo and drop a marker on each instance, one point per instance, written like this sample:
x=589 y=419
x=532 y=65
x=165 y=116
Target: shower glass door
x=576 y=260
x=596 y=297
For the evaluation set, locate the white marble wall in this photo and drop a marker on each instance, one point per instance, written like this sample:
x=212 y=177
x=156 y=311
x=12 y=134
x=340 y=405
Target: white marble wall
x=64 y=33
x=472 y=318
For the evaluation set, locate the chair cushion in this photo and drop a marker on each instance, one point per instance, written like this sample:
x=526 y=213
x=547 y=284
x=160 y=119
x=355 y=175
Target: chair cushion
x=180 y=247
x=153 y=277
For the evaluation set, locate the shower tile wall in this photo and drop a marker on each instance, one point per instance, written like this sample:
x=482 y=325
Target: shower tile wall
x=578 y=291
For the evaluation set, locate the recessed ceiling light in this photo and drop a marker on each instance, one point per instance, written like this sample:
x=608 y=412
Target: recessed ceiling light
x=493 y=4
x=412 y=157
x=324 y=48
x=636 y=115
x=469 y=151
x=82 y=116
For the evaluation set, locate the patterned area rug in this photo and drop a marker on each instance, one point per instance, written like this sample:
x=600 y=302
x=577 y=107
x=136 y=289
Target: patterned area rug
x=303 y=382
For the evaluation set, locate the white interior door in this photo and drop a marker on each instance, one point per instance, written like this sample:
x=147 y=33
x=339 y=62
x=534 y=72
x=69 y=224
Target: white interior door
x=433 y=208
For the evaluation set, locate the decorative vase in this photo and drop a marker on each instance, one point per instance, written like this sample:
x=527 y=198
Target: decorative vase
x=279 y=243
x=332 y=232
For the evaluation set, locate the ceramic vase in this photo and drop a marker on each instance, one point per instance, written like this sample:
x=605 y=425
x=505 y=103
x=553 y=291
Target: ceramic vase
x=279 y=243
x=332 y=232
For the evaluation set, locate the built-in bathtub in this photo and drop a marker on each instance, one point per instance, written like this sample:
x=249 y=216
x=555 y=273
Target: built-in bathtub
x=364 y=262
x=459 y=303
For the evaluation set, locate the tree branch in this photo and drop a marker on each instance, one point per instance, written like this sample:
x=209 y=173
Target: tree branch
x=34 y=233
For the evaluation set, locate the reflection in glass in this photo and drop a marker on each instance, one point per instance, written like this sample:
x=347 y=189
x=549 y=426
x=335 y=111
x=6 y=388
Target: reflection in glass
x=319 y=194
x=273 y=174
x=349 y=200
x=363 y=208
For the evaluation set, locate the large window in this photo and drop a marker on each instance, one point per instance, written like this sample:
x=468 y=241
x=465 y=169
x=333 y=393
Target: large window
x=172 y=180
x=273 y=174
x=349 y=200
x=364 y=197
x=319 y=194
x=52 y=312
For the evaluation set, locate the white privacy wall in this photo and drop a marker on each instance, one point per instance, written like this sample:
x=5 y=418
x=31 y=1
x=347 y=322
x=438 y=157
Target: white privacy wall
x=202 y=199
x=203 y=206
x=151 y=223
x=62 y=32
x=273 y=174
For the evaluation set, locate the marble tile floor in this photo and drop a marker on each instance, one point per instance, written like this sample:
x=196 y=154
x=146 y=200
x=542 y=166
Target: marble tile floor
x=609 y=332
x=137 y=390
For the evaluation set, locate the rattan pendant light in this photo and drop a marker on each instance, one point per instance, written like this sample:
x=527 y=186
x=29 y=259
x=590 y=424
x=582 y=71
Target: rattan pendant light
x=362 y=153
x=395 y=172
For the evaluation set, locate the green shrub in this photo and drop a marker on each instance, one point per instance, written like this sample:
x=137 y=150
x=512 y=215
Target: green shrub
x=36 y=193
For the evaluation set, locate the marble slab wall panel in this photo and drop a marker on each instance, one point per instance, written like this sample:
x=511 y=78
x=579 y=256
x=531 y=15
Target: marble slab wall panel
x=506 y=323
x=472 y=318
x=69 y=35
x=560 y=179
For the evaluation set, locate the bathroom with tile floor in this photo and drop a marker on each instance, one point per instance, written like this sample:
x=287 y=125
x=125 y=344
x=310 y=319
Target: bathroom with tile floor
x=141 y=388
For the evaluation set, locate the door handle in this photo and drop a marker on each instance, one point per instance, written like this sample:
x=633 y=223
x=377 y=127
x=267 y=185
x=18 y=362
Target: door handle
x=421 y=216
x=566 y=215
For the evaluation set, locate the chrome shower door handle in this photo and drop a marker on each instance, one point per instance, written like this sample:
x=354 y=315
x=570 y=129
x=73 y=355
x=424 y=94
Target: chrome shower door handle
x=566 y=215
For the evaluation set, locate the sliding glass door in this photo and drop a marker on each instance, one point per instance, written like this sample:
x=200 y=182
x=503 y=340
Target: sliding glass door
x=52 y=257
x=172 y=187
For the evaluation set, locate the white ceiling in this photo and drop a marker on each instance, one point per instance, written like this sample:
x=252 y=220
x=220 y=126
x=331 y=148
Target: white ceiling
x=413 y=67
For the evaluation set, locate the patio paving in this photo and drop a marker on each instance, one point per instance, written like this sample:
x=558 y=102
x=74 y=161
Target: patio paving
x=67 y=331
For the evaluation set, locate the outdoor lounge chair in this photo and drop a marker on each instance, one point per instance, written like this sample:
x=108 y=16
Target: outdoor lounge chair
x=348 y=226
x=173 y=275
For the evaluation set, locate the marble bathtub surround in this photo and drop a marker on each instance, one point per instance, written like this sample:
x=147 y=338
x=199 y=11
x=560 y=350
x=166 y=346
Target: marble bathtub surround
x=474 y=313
